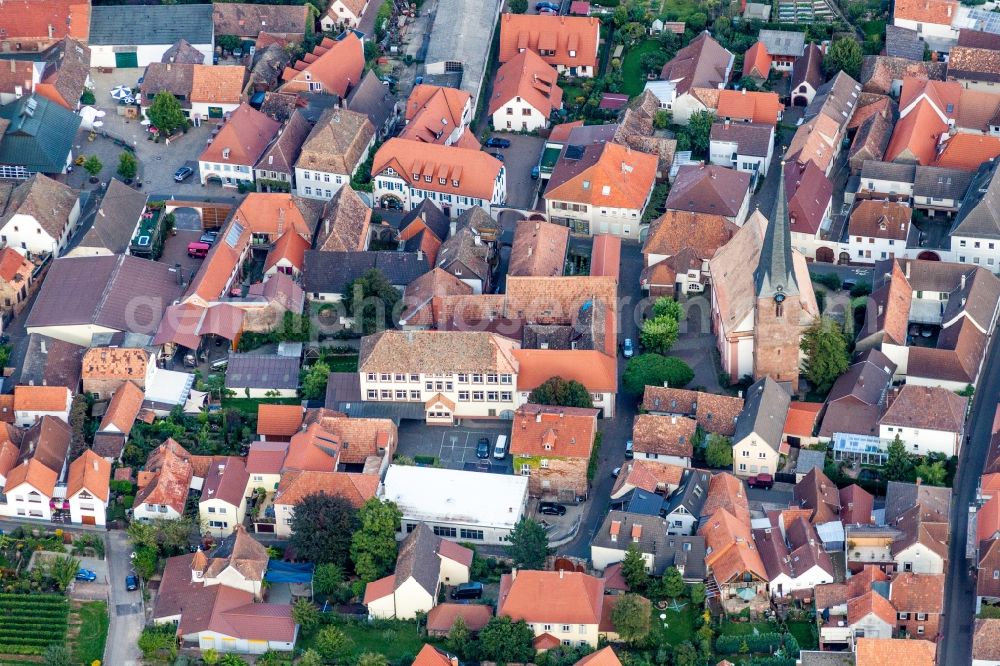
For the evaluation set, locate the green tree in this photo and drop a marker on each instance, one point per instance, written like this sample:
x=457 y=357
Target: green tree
x=673 y=582
x=56 y=654
x=631 y=617
x=653 y=62
x=93 y=166
x=719 y=451
x=371 y=300
x=230 y=659
x=210 y=656
x=561 y=392
x=63 y=570
x=686 y=655
x=932 y=473
x=321 y=528
x=668 y=307
x=504 y=641
x=659 y=334
x=655 y=370
x=333 y=644
x=314 y=380
x=127 y=165
x=825 y=348
x=634 y=569
x=661 y=120
x=228 y=42
x=305 y=614
x=845 y=55
x=310 y=658
x=697 y=594
x=372 y=659
x=373 y=546
x=159 y=641
x=517 y=6
x=460 y=639
x=145 y=562
x=327 y=578
x=165 y=114
x=700 y=129
x=898 y=466
x=529 y=544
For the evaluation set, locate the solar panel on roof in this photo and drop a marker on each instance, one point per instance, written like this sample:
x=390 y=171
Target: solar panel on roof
x=234 y=233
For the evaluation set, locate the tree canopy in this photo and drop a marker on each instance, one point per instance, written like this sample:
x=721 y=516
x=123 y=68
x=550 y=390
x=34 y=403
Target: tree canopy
x=631 y=617
x=321 y=528
x=655 y=370
x=504 y=641
x=719 y=451
x=561 y=392
x=371 y=300
x=634 y=569
x=373 y=546
x=529 y=544
x=845 y=55
x=825 y=348
x=166 y=114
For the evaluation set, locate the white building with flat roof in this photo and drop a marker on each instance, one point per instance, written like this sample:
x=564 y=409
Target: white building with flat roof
x=477 y=507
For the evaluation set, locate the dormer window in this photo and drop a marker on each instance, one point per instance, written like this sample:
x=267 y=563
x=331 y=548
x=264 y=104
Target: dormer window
x=572 y=54
x=225 y=153
x=416 y=177
x=454 y=183
x=442 y=181
x=427 y=179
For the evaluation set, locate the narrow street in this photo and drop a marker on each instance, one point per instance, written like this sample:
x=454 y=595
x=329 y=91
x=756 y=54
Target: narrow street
x=960 y=592
x=126 y=608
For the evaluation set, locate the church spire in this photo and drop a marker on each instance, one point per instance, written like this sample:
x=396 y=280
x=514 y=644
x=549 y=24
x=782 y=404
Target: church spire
x=775 y=274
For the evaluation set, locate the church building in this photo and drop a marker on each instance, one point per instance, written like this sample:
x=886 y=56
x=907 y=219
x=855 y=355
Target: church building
x=762 y=299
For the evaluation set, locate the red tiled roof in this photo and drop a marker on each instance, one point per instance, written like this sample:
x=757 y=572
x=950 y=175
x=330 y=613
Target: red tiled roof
x=757 y=61
x=572 y=40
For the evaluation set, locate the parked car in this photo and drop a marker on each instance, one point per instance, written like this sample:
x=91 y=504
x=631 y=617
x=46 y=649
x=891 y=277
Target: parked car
x=209 y=237
x=483 y=448
x=198 y=250
x=497 y=142
x=472 y=590
x=546 y=5
x=628 y=348
x=500 y=450
x=765 y=481
x=551 y=509
x=535 y=172
x=131 y=582
x=629 y=451
x=86 y=575
x=847 y=285
x=499 y=156
x=547 y=11
x=615 y=472
x=183 y=174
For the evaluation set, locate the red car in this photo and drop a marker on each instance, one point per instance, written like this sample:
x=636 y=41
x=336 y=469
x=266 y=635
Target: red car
x=765 y=481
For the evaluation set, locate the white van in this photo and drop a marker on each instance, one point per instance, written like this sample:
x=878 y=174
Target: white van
x=500 y=451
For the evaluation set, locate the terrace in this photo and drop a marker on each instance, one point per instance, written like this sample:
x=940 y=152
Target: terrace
x=144 y=242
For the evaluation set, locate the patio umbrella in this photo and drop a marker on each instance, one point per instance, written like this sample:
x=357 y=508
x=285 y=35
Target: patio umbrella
x=144 y=122
x=120 y=92
x=129 y=100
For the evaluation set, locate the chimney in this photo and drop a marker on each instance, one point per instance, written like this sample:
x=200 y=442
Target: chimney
x=13 y=66
x=744 y=91
x=423 y=215
x=538 y=417
x=919 y=481
x=673 y=420
x=420 y=255
x=169 y=65
x=530 y=251
x=452 y=228
x=513 y=574
x=562 y=574
x=963 y=281
x=907 y=270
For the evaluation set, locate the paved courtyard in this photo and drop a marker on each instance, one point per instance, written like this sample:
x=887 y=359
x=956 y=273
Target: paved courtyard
x=455 y=448
x=522 y=155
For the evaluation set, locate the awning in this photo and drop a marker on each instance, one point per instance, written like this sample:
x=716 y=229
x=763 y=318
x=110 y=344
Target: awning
x=279 y=571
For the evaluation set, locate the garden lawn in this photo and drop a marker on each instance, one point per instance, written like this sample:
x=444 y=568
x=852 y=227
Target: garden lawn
x=343 y=363
x=805 y=634
x=745 y=628
x=679 y=10
x=88 y=645
x=633 y=80
x=394 y=639
x=679 y=625
x=249 y=405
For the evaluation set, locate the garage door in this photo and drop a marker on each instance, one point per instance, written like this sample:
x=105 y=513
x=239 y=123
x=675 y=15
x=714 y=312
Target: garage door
x=128 y=59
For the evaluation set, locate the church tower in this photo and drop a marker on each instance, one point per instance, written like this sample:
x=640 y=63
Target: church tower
x=778 y=310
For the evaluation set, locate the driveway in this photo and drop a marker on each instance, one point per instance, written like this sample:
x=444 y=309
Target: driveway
x=126 y=608
x=455 y=448
x=519 y=159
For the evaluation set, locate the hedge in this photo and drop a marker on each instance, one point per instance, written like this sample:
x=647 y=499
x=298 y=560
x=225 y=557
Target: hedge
x=758 y=643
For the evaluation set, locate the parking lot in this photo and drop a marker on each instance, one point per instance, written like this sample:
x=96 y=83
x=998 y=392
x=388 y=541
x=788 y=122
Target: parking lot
x=454 y=448
x=519 y=159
